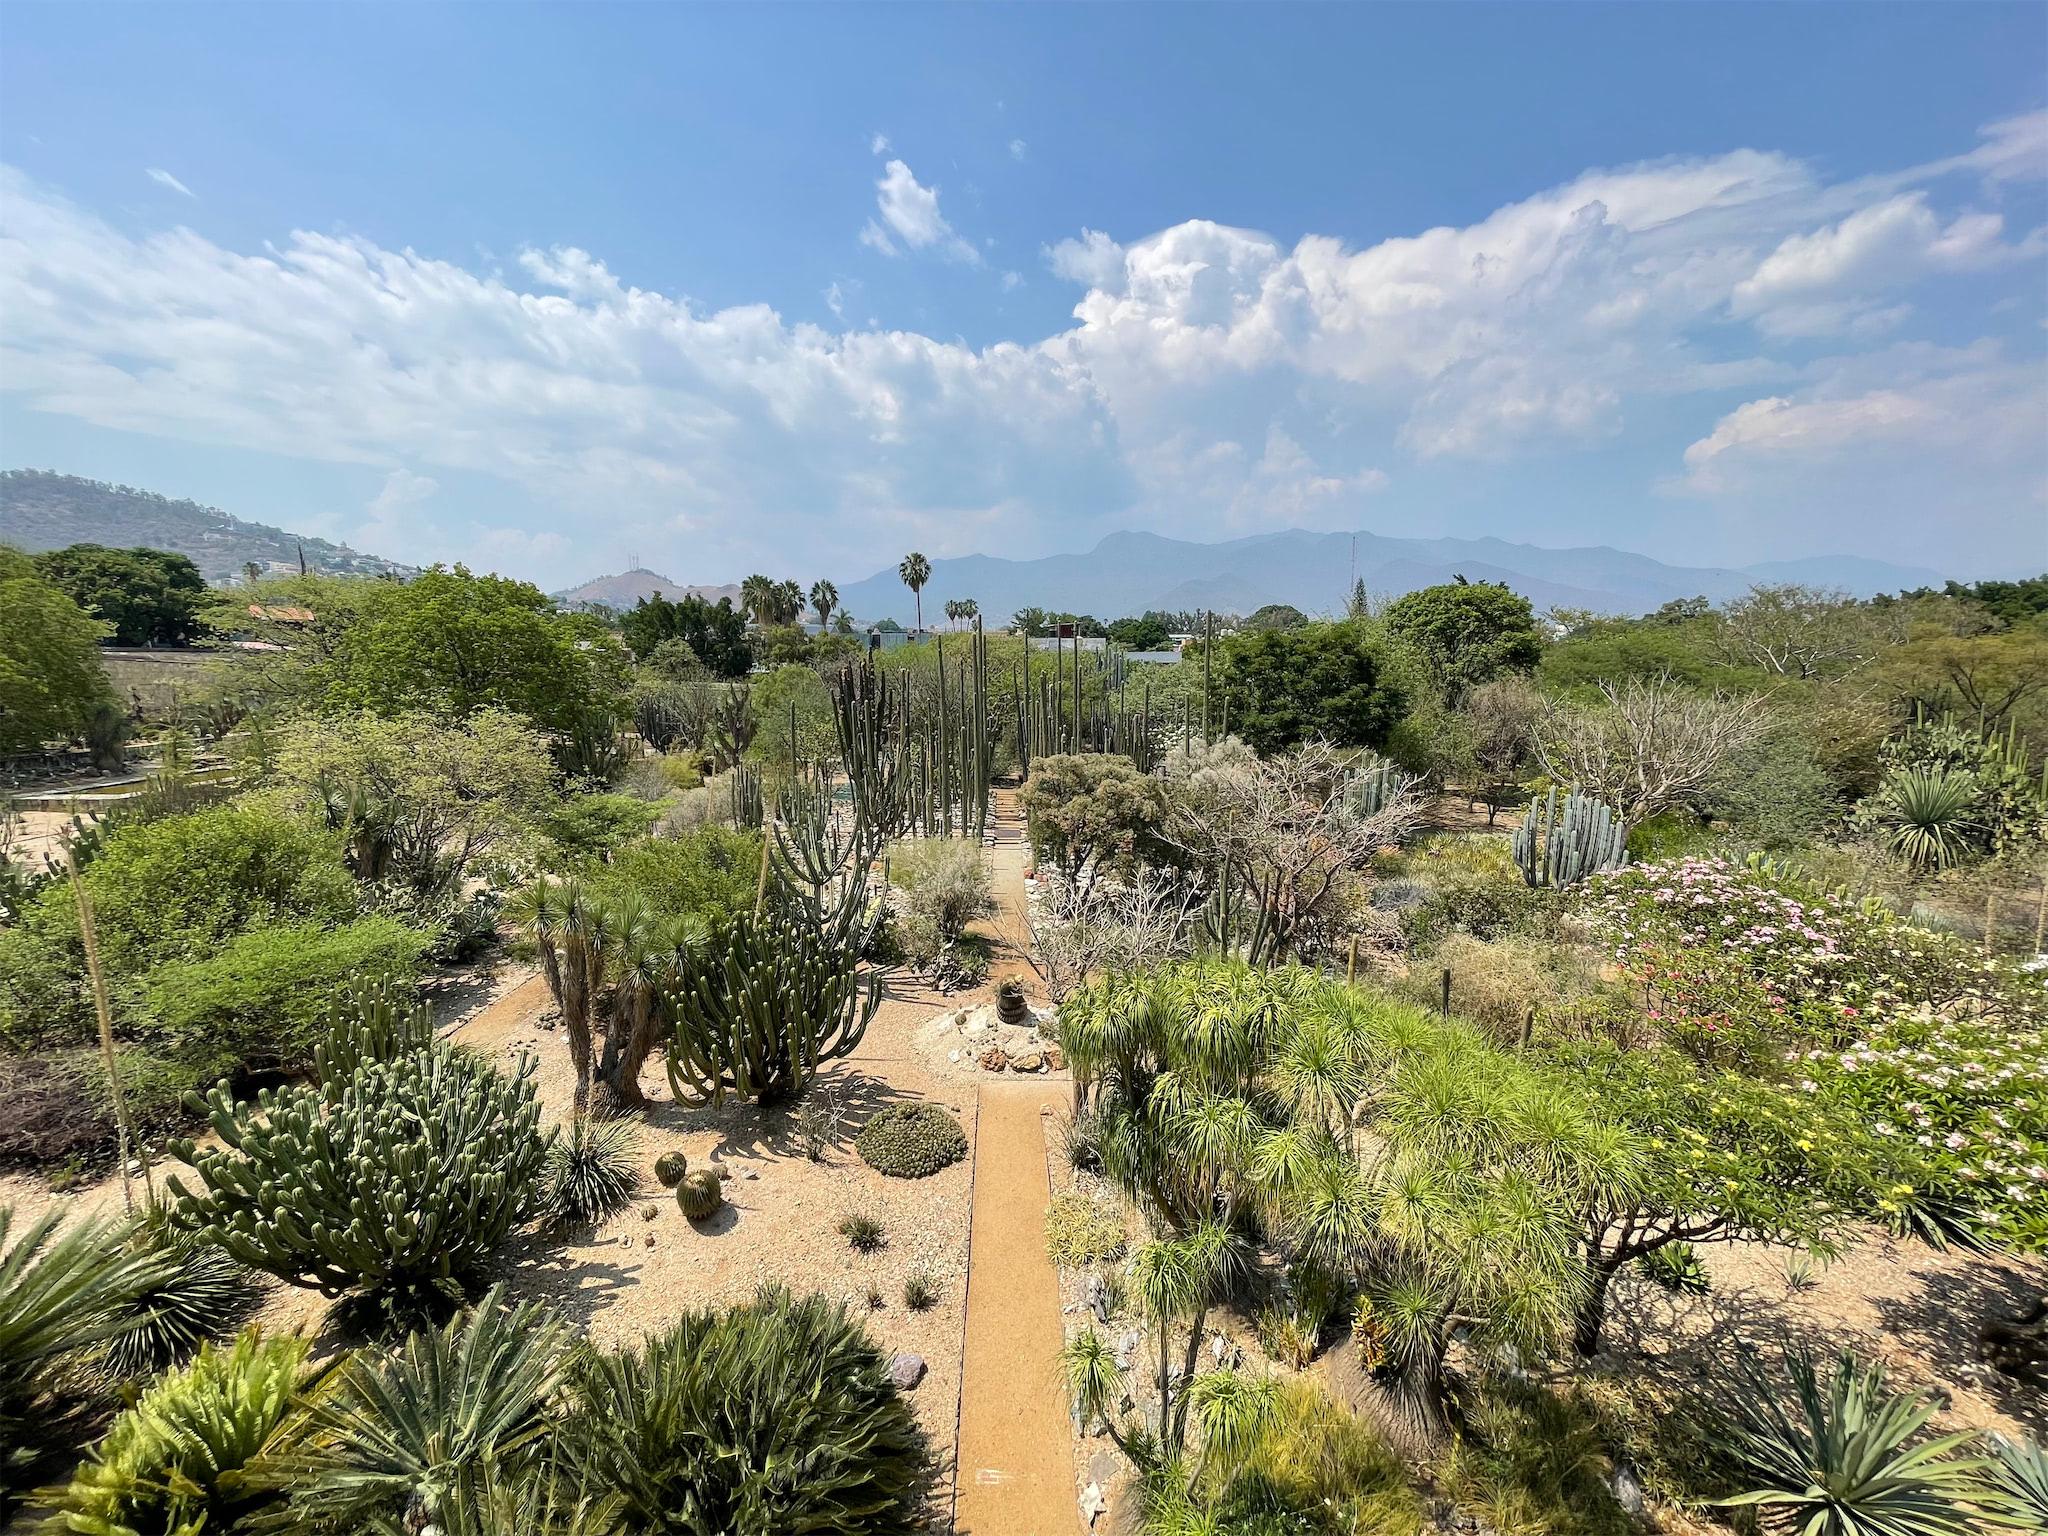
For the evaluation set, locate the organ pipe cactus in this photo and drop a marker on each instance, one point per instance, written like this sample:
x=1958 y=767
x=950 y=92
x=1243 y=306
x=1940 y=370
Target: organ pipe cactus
x=395 y=1181
x=1373 y=788
x=769 y=999
x=372 y=1021
x=1559 y=849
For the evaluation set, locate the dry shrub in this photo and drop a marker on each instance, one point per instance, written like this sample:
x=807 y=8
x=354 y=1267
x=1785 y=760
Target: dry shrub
x=1494 y=983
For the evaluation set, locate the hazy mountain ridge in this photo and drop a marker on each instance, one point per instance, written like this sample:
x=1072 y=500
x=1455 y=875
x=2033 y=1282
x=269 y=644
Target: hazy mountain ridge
x=1128 y=573
x=628 y=587
x=41 y=509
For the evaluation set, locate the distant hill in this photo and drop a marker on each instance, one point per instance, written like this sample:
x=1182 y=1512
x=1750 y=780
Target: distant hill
x=628 y=587
x=1128 y=573
x=40 y=509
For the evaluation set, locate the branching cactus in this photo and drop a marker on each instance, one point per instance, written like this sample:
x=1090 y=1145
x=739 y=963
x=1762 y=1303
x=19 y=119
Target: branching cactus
x=373 y=1021
x=395 y=1181
x=1374 y=787
x=1558 y=849
x=769 y=999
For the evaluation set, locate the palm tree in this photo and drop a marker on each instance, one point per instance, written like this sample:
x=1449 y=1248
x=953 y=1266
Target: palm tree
x=970 y=610
x=757 y=597
x=824 y=598
x=952 y=610
x=787 y=602
x=916 y=571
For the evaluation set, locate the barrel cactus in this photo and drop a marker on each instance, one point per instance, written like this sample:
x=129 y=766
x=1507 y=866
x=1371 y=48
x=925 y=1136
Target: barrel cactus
x=1560 y=848
x=768 y=999
x=393 y=1182
x=670 y=1168
x=700 y=1194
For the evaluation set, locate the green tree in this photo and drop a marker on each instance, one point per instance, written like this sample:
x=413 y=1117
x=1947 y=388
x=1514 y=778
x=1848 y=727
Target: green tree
x=51 y=675
x=1146 y=633
x=792 y=696
x=1468 y=631
x=1276 y=616
x=446 y=643
x=715 y=633
x=1323 y=681
x=149 y=596
x=1090 y=810
x=824 y=598
x=916 y=571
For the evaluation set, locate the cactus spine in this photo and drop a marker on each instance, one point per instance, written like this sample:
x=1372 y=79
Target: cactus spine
x=700 y=1194
x=1559 y=849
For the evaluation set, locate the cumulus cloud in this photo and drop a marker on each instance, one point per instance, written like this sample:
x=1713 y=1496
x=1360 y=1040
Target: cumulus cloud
x=910 y=212
x=165 y=179
x=1018 y=149
x=1213 y=379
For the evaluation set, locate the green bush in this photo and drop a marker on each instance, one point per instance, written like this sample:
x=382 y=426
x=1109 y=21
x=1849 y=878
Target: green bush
x=593 y=828
x=174 y=1464
x=773 y=1417
x=707 y=872
x=911 y=1141
x=1081 y=1231
x=946 y=886
x=395 y=1182
x=1496 y=983
x=259 y=1002
x=1676 y=1267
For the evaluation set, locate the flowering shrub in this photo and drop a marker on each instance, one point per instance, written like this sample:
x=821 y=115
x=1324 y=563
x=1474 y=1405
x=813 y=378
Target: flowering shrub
x=1965 y=1105
x=1936 y=1047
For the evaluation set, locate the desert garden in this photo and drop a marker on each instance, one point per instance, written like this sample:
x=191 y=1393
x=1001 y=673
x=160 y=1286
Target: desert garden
x=490 y=1068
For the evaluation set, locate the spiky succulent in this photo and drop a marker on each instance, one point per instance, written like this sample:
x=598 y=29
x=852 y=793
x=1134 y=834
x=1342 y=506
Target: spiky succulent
x=670 y=1168
x=395 y=1182
x=591 y=1172
x=700 y=1194
x=197 y=1294
x=911 y=1141
x=1847 y=1456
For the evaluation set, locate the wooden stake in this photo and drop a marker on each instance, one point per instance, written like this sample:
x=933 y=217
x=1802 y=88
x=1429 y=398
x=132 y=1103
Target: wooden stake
x=1447 y=992
x=1351 y=964
x=124 y=1131
x=1990 y=920
x=1528 y=1026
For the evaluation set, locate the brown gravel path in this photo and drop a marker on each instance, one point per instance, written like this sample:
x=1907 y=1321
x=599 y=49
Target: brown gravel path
x=1015 y=1466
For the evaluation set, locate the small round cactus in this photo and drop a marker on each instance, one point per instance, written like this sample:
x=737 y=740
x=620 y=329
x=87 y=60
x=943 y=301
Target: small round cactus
x=670 y=1168
x=700 y=1194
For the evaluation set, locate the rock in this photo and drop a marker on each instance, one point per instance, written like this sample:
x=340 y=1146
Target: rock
x=1029 y=1061
x=955 y=1056
x=994 y=1059
x=1104 y=1468
x=1098 y=1298
x=1093 y=1504
x=748 y=1173
x=906 y=1371
x=650 y=1239
x=1055 y=1058
x=1628 y=1492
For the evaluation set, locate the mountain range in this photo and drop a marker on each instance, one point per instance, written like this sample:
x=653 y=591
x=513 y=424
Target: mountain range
x=40 y=509
x=1128 y=573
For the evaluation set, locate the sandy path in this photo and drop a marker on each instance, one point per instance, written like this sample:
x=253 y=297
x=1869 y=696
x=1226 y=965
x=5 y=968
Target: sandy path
x=1016 y=1474
x=1015 y=1467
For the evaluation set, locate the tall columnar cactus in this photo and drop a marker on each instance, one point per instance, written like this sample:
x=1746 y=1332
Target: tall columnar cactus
x=395 y=1181
x=1558 y=850
x=745 y=785
x=867 y=716
x=821 y=857
x=766 y=1002
x=1372 y=788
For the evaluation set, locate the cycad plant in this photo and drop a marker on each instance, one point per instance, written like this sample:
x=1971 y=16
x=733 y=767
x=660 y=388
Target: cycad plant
x=776 y=1416
x=180 y=1460
x=64 y=1290
x=392 y=1440
x=2019 y=1484
x=1846 y=1456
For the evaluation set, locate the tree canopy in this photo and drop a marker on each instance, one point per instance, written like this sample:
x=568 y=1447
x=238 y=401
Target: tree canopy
x=1322 y=681
x=1468 y=631
x=50 y=668
x=716 y=635
x=148 y=596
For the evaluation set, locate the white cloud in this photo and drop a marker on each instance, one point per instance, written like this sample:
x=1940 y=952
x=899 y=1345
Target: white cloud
x=1094 y=260
x=1018 y=149
x=166 y=179
x=879 y=144
x=1212 y=379
x=911 y=212
x=1012 y=280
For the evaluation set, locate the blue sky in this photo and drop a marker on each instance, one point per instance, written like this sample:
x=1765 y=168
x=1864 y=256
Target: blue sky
x=795 y=289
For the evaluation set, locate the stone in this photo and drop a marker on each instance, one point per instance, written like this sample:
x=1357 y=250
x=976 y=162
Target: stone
x=1029 y=1061
x=1055 y=1058
x=906 y=1371
x=650 y=1239
x=1093 y=1504
x=748 y=1173
x=1098 y=1298
x=994 y=1059
x=1628 y=1492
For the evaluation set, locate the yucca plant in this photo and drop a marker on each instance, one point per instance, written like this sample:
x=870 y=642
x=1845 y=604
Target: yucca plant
x=1926 y=813
x=1846 y=1456
x=179 y=1461
x=776 y=1416
x=63 y=1292
x=591 y=1172
x=391 y=1440
x=197 y=1294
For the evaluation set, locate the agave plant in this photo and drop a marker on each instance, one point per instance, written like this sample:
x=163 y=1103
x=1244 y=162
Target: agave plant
x=197 y=1293
x=591 y=1172
x=1847 y=1456
x=2019 y=1485
x=392 y=1439
x=1926 y=812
